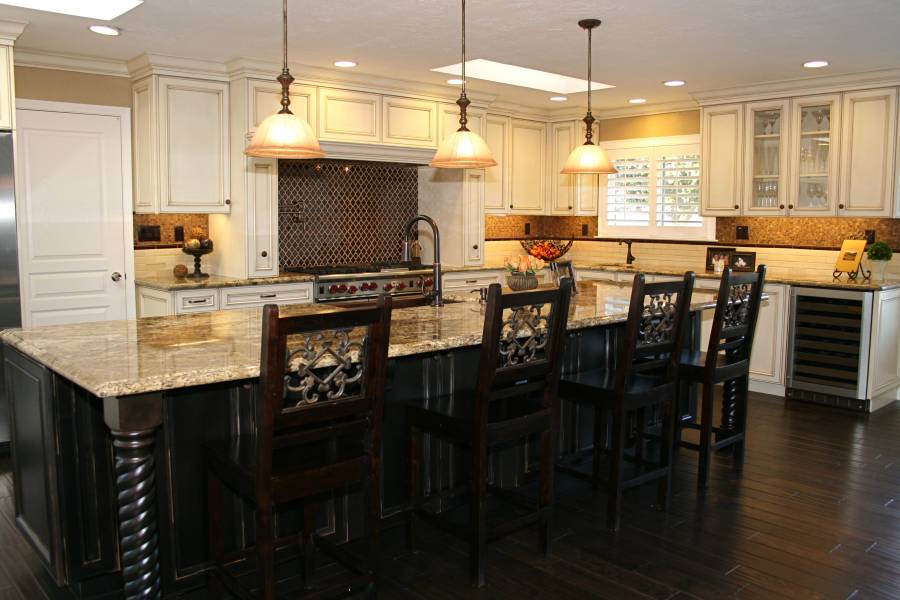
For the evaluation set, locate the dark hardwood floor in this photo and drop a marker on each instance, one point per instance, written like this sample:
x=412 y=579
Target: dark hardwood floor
x=814 y=515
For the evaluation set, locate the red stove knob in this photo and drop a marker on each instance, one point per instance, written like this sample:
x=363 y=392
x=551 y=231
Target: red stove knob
x=373 y=285
x=333 y=288
x=352 y=289
x=429 y=282
x=364 y=286
x=388 y=287
x=401 y=286
x=342 y=288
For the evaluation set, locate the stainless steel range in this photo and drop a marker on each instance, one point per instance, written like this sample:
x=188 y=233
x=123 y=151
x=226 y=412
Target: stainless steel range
x=360 y=282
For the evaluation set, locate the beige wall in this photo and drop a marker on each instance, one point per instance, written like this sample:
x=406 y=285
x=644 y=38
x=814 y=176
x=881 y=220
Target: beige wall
x=675 y=123
x=69 y=86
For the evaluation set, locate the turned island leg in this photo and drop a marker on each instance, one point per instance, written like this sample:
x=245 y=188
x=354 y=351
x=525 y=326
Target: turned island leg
x=132 y=422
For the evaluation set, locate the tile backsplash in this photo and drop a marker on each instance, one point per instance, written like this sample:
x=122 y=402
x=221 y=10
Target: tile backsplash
x=338 y=212
x=167 y=223
x=810 y=232
x=498 y=227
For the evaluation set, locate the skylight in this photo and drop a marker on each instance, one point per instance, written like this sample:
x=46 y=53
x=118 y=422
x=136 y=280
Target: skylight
x=104 y=10
x=489 y=70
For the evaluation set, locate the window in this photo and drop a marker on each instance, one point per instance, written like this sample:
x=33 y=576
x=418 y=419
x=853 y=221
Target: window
x=656 y=192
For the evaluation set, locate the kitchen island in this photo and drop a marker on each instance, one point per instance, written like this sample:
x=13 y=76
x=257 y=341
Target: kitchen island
x=110 y=417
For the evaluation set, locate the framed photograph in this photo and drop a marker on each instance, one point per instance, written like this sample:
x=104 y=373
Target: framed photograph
x=743 y=261
x=713 y=254
x=850 y=256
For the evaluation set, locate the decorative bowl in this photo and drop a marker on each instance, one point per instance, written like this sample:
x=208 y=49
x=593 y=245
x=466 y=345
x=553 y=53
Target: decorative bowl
x=521 y=281
x=197 y=253
x=548 y=250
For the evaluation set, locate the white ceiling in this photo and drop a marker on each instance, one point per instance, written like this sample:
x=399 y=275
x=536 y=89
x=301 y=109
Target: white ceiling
x=711 y=44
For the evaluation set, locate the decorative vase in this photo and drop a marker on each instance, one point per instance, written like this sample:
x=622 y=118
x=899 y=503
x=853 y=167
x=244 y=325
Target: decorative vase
x=879 y=267
x=521 y=281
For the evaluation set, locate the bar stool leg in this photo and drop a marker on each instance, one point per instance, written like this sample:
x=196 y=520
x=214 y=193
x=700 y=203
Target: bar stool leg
x=705 y=435
x=741 y=423
x=667 y=451
x=599 y=444
x=545 y=495
x=617 y=465
x=414 y=452
x=265 y=552
x=478 y=536
x=214 y=525
x=640 y=423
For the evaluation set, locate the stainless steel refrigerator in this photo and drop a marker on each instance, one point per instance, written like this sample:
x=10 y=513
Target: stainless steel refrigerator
x=10 y=312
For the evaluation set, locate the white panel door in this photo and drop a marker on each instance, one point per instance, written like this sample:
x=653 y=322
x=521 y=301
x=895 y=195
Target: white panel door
x=70 y=197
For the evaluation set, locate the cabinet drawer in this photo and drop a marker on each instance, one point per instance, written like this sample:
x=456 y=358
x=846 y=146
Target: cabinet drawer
x=259 y=295
x=471 y=281
x=589 y=275
x=191 y=301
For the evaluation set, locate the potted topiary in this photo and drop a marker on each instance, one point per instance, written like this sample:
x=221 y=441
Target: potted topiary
x=879 y=255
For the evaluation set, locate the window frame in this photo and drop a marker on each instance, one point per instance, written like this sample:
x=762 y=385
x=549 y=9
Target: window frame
x=635 y=147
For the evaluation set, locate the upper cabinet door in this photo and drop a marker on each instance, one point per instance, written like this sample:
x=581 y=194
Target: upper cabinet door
x=815 y=148
x=587 y=187
x=409 y=122
x=265 y=100
x=562 y=187
x=262 y=217
x=527 y=161
x=448 y=122
x=868 y=151
x=496 y=179
x=349 y=115
x=144 y=147
x=721 y=151
x=473 y=216
x=7 y=89
x=765 y=158
x=193 y=145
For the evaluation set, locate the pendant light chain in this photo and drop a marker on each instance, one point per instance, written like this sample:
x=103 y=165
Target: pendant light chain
x=589 y=118
x=463 y=101
x=285 y=79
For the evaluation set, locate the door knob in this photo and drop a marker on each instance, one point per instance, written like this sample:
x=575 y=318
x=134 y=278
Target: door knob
x=116 y=276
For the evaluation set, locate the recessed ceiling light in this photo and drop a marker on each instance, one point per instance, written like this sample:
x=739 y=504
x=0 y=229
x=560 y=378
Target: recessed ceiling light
x=673 y=83
x=455 y=81
x=105 y=29
x=558 y=98
x=637 y=100
x=104 y=10
x=345 y=64
x=815 y=64
x=489 y=70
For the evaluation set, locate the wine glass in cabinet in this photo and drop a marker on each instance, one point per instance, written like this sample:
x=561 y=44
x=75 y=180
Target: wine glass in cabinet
x=766 y=163
x=814 y=151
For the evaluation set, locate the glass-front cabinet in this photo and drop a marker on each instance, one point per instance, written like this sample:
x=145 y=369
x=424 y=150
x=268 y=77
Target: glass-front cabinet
x=814 y=155
x=766 y=163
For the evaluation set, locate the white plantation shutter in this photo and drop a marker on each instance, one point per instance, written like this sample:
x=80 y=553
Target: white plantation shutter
x=656 y=192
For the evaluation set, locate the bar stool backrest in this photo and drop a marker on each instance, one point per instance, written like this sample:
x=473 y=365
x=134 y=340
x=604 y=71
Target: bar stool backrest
x=322 y=371
x=654 y=332
x=522 y=343
x=737 y=309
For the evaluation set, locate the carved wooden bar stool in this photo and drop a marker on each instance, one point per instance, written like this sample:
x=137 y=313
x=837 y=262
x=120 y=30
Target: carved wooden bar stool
x=726 y=361
x=515 y=398
x=320 y=413
x=645 y=374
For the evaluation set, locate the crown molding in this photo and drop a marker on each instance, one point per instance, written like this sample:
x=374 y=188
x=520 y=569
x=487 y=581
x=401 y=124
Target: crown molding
x=823 y=84
x=160 y=64
x=643 y=110
x=69 y=62
x=10 y=31
x=376 y=152
x=310 y=75
x=518 y=111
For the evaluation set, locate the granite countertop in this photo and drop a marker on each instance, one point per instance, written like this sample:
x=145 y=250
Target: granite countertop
x=772 y=276
x=168 y=282
x=116 y=358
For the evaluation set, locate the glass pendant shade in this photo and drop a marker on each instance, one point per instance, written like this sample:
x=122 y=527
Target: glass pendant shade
x=284 y=135
x=463 y=150
x=588 y=159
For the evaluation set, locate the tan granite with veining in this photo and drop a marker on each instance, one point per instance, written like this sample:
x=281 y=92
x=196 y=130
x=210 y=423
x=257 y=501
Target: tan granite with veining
x=118 y=358
x=168 y=282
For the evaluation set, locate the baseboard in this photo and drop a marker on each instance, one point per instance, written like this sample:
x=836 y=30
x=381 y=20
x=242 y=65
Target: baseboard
x=765 y=387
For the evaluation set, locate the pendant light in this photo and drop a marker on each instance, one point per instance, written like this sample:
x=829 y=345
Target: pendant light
x=464 y=149
x=284 y=134
x=588 y=158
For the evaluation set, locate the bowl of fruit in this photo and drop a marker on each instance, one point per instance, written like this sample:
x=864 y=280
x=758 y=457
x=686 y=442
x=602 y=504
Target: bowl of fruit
x=199 y=245
x=547 y=249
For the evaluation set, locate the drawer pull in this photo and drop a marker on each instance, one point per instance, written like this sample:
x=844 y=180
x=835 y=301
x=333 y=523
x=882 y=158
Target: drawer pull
x=268 y=295
x=471 y=281
x=199 y=301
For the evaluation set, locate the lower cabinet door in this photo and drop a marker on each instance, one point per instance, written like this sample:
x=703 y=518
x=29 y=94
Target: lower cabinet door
x=767 y=358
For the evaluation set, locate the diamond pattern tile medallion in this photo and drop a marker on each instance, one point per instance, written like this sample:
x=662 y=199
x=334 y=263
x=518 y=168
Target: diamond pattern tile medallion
x=340 y=212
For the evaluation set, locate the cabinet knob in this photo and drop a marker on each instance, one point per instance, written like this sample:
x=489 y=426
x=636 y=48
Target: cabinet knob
x=227 y=201
x=570 y=208
x=841 y=206
x=475 y=247
x=510 y=205
x=781 y=206
x=737 y=206
x=264 y=254
x=790 y=207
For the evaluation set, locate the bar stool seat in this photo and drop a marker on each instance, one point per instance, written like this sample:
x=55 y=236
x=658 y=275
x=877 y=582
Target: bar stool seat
x=452 y=417
x=599 y=385
x=694 y=365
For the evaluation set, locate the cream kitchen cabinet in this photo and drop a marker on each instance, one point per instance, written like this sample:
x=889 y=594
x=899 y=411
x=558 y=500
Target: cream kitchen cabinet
x=868 y=153
x=152 y=302
x=496 y=179
x=7 y=88
x=766 y=162
x=181 y=152
x=264 y=99
x=454 y=198
x=262 y=217
x=409 y=122
x=599 y=275
x=562 y=187
x=464 y=282
x=721 y=152
x=527 y=160
x=767 y=361
x=348 y=115
x=814 y=151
